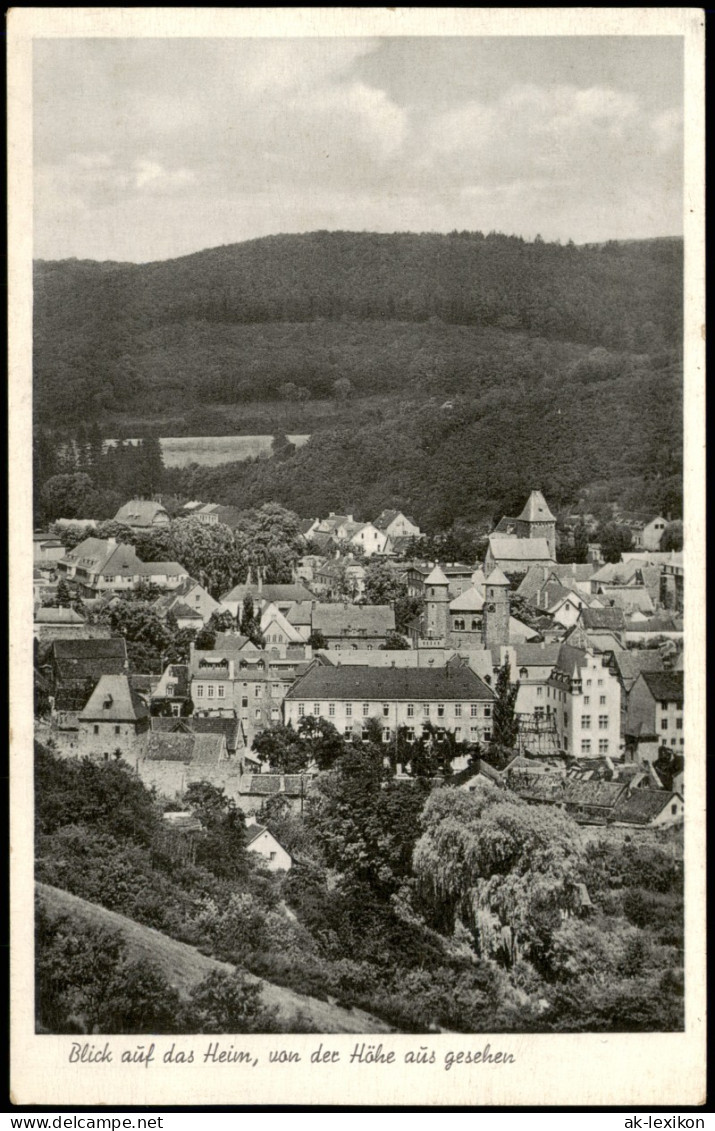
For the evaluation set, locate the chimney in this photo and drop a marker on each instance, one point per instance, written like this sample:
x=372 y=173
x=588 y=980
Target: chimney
x=111 y=542
x=250 y=819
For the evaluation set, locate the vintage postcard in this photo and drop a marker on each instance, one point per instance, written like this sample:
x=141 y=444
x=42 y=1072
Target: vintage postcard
x=357 y=556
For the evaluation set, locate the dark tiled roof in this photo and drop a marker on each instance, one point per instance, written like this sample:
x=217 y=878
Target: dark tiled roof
x=446 y=683
x=172 y=747
x=114 y=699
x=102 y=648
x=612 y=619
x=602 y=794
x=537 y=786
x=665 y=685
x=253 y=832
x=642 y=806
x=196 y=724
x=630 y=662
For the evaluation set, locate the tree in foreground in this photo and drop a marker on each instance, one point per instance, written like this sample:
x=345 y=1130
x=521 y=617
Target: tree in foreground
x=505 y=722
x=502 y=867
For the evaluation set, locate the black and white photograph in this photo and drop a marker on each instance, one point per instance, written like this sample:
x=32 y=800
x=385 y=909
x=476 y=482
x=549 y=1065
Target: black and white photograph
x=356 y=379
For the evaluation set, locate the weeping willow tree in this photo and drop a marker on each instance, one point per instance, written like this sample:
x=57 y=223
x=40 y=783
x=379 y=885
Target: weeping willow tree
x=506 y=869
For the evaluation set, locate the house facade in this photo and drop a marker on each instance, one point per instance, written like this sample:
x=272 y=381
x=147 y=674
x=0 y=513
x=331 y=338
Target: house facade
x=114 y=720
x=451 y=698
x=655 y=714
x=395 y=524
x=583 y=696
x=353 y=626
x=264 y=844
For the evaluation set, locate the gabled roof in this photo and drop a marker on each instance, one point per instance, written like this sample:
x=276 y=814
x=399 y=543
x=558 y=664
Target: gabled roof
x=114 y=700
x=274 y=593
x=446 y=683
x=519 y=549
x=83 y=659
x=469 y=601
x=349 y=620
x=234 y=642
x=178 y=674
x=571 y=659
x=140 y=512
x=162 y=569
x=536 y=509
x=179 y=746
x=198 y=724
x=613 y=573
x=573 y=571
x=533 y=581
x=536 y=655
x=610 y=619
x=300 y=612
x=49 y=615
x=630 y=662
x=628 y=597
x=292 y=785
x=104 y=556
x=603 y=794
x=253 y=832
x=643 y=806
x=664 y=686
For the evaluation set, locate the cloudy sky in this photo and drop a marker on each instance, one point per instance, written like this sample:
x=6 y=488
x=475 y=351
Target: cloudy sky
x=147 y=149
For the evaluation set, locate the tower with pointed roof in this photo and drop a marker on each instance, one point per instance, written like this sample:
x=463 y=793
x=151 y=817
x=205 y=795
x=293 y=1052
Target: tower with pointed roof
x=537 y=521
x=437 y=606
x=495 y=622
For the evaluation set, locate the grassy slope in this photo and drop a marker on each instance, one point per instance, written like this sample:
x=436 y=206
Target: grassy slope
x=184 y=966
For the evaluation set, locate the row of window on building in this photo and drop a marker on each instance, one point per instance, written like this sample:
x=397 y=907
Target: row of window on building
x=218 y=691
x=367 y=710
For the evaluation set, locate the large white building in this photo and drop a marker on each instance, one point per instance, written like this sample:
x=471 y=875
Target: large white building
x=451 y=698
x=585 y=698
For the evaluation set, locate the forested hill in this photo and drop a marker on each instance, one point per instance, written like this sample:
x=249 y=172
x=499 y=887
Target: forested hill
x=219 y=326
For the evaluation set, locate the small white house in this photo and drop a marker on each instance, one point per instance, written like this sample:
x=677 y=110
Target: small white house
x=258 y=839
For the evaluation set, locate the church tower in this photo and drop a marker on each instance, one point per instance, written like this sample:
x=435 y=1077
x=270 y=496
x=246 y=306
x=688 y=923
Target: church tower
x=495 y=626
x=537 y=521
x=436 y=614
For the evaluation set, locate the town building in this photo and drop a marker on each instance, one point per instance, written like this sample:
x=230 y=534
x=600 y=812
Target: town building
x=451 y=698
x=649 y=808
x=143 y=514
x=262 y=842
x=535 y=522
x=102 y=565
x=114 y=721
x=655 y=713
x=249 y=684
x=353 y=626
x=515 y=556
x=189 y=601
x=262 y=594
x=395 y=524
x=584 y=698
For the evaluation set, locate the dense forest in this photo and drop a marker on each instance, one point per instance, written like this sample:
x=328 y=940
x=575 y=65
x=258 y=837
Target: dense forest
x=442 y=374
x=429 y=907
